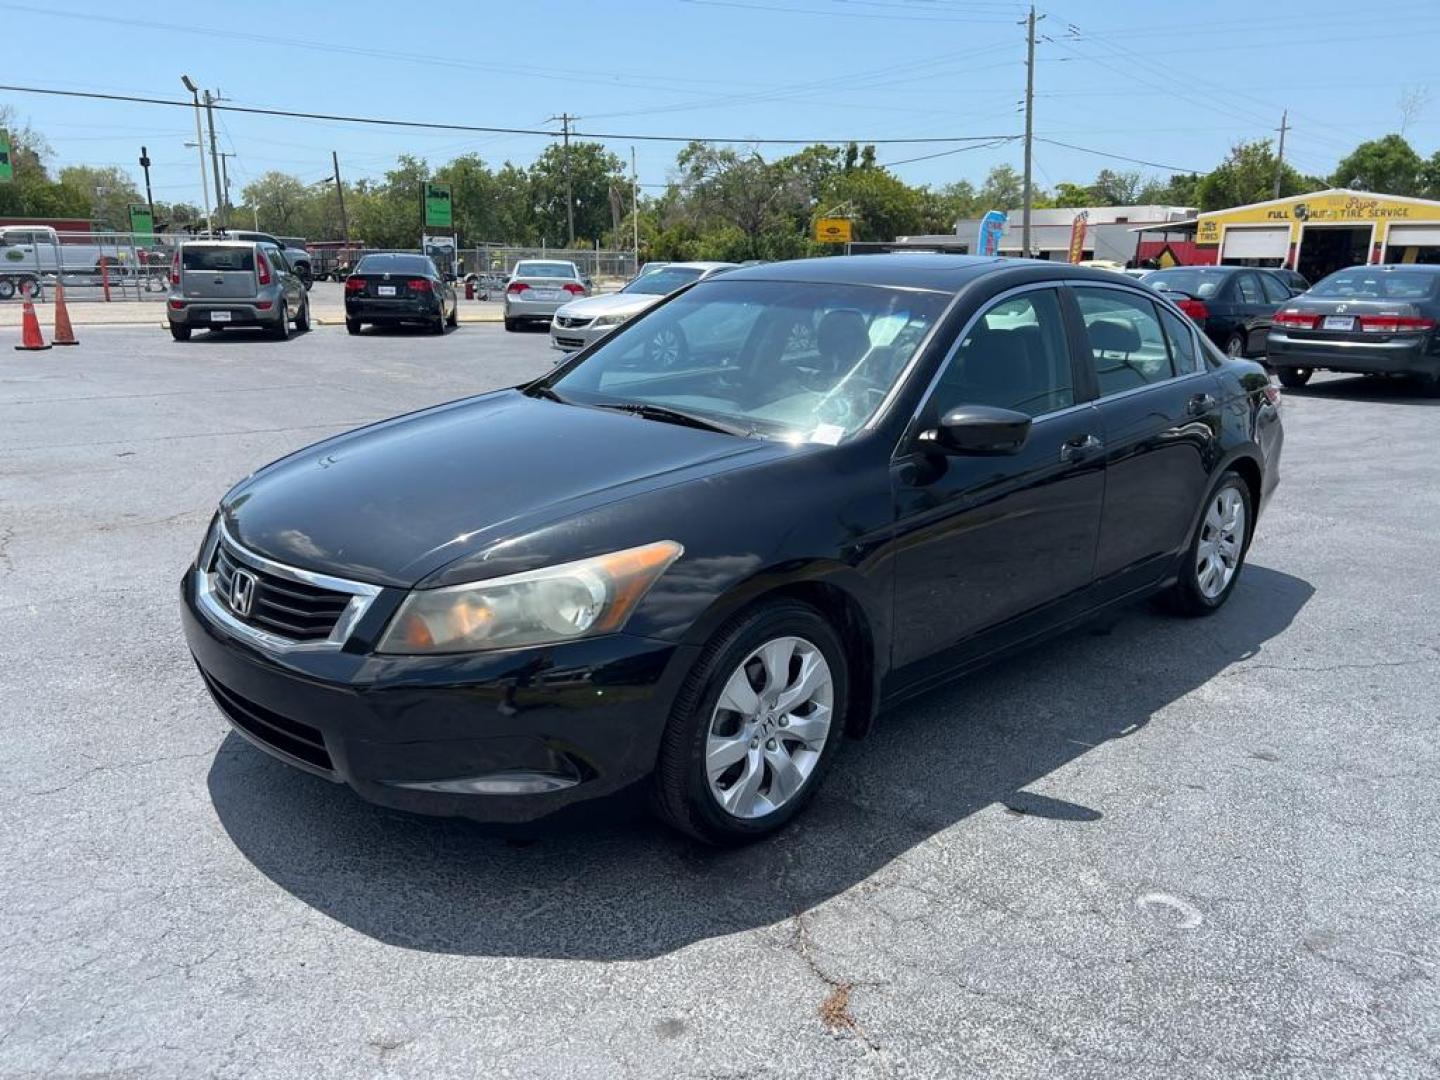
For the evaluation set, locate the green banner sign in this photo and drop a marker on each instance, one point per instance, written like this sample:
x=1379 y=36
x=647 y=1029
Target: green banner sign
x=7 y=166
x=437 y=206
x=141 y=222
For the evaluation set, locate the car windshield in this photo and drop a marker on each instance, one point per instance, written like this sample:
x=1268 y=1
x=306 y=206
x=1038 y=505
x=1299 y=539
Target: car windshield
x=545 y=269
x=793 y=360
x=1198 y=283
x=1370 y=283
x=395 y=264
x=663 y=281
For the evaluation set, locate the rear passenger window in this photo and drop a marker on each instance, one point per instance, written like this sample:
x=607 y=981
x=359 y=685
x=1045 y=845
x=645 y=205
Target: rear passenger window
x=1182 y=342
x=1275 y=291
x=218 y=258
x=1249 y=289
x=1127 y=346
x=1013 y=357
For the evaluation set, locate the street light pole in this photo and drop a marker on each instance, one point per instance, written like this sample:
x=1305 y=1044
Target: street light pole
x=145 y=165
x=200 y=152
x=215 y=158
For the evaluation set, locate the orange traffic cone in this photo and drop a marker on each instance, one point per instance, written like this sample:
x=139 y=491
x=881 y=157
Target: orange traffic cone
x=31 y=339
x=64 y=335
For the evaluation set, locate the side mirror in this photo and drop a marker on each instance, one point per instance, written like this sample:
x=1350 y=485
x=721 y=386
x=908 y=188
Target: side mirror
x=980 y=431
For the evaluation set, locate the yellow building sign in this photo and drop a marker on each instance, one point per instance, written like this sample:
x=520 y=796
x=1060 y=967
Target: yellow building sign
x=832 y=230
x=1337 y=207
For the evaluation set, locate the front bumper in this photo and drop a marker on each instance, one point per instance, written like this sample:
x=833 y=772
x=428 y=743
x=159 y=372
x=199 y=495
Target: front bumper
x=506 y=737
x=535 y=309
x=1399 y=354
x=574 y=338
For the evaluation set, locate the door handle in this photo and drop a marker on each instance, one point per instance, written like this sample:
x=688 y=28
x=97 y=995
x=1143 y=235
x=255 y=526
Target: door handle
x=1200 y=404
x=1079 y=448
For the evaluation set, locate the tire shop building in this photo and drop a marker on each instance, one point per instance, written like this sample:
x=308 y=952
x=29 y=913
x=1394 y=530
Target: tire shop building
x=1316 y=234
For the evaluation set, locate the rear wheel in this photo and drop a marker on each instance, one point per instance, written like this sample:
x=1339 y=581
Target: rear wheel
x=1294 y=376
x=755 y=725
x=454 y=319
x=512 y=325
x=180 y=333
x=7 y=288
x=1235 y=346
x=281 y=330
x=302 y=321
x=352 y=326
x=437 y=325
x=1217 y=551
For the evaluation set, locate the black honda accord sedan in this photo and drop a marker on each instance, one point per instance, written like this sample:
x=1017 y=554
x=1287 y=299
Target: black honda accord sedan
x=694 y=570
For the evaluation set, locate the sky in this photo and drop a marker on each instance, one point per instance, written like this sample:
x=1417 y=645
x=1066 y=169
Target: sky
x=1172 y=85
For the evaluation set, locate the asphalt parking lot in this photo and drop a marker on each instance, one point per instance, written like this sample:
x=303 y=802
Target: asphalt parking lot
x=1154 y=847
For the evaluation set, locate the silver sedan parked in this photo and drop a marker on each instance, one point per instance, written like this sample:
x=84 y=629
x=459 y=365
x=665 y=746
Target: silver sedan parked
x=537 y=287
x=579 y=323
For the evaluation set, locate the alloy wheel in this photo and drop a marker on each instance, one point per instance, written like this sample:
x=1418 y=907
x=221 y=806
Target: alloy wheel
x=665 y=347
x=769 y=727
x=1222 y=539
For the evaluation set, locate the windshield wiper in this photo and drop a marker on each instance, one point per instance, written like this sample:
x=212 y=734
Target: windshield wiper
x=678 y=416
x=544 y=390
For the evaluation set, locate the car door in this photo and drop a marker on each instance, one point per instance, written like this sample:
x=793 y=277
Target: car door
x=1159 y=407
x=292 y=286
x=1276 y=292
x=1252 y=311
x=984 y=541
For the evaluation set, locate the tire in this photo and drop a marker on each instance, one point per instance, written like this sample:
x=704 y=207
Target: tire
x=685 y=793
x=1235 y=347
x=352 y=326
x=302 y=321
x=1196 y=592
x=281 y=330
x=7 y=288
x=512 y=325
x=667 y=348
x=180 y=333
x=307 y=278
x=1294 y=376
x=438 y=325
x=454 y=320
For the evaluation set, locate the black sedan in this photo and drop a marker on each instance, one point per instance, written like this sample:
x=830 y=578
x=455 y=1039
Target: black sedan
x=1372 y=320
x=389 y=288
x=1232 y=304
x=867 y=475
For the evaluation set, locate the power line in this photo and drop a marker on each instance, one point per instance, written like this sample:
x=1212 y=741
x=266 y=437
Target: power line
x=434 y=126
x=847 y=14
x=947 y=153
x=1120 y=157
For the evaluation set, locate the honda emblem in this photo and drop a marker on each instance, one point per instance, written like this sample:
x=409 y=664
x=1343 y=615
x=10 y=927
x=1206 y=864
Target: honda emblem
x=242 y=591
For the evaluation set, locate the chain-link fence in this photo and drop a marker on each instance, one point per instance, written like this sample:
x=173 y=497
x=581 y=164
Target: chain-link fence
x=592 y=262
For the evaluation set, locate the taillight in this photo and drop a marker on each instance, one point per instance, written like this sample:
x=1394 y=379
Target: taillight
x=175 y=269
x=178 y=305
x=418 y=284
x=1272 y=393
x=354 y=284
x=516 y=287
x=574 y=289
x=1396 y=324
x=262 y=268
x=1294 y=320
x=1196 y=309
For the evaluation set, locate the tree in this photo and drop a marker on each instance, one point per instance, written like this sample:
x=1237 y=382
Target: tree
x=882 y=206
x=1247 y=175
x=1112 y=188
x=278 y=200
x=1068 y=194
x=1178 y=190
x=593 y=171
x=1004 y=189
x=1389 y=165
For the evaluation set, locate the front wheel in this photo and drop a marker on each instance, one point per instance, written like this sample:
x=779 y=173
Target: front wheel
x=1235 y=347
x=1217 y=552
x=1294 y=376
x=755 y=725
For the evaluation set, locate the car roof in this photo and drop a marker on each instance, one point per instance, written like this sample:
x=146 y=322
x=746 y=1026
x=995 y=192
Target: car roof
x=698 y=265
x=1211 y=269
x=917 y=270
x=223 y=243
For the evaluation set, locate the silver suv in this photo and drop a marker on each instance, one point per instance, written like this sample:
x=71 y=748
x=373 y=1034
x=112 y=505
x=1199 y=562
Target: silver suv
x=216 y=284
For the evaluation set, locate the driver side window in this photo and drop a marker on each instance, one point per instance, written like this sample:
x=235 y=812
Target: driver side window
x=1013 y=357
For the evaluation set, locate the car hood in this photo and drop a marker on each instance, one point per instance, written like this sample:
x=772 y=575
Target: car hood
x=592 y=307
x=394 y=502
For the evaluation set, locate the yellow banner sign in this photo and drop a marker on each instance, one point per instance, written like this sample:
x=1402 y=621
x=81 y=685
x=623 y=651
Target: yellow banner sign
x=1328 y=208
x=832 y=230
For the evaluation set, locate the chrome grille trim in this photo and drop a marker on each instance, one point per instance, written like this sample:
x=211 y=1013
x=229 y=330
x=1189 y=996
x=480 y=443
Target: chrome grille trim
x=361 y=595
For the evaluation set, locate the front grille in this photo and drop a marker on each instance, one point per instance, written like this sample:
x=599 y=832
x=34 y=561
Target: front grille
x=574 y=342
x=281 y=605
x=569 y=323
x=291 y=737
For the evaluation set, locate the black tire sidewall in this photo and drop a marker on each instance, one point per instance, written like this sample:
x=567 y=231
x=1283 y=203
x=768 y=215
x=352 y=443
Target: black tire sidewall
x=1194 y=598
x=1294 y=377
x=1236 y=339
x=688 y=801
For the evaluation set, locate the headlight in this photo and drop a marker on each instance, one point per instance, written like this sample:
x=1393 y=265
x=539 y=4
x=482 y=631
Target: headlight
x=207 y=547
x=539 y=607
x=610 y=320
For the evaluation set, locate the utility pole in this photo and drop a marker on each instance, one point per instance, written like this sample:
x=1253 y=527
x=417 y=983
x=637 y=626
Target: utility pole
x=225 y=174
x=340 y=191
x=189 y=84
x=145 y=166
x=1029 y=129
x=565 y=121
x=1280 y=157
x=214 y=155
x=635 y=205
